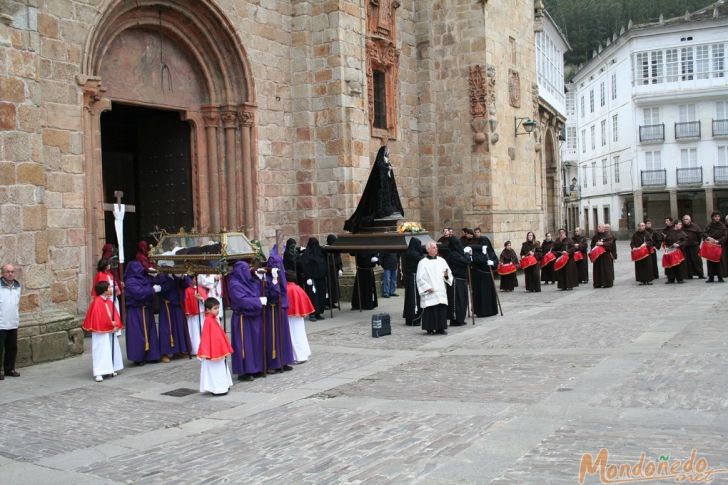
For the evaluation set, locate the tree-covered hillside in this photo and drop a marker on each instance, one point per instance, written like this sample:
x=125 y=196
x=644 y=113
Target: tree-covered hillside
x=586 y=23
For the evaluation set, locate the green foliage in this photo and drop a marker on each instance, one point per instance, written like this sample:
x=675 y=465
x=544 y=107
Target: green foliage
x=587 y=23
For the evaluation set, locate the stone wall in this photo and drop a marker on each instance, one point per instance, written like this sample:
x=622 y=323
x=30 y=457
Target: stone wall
x=43 y=337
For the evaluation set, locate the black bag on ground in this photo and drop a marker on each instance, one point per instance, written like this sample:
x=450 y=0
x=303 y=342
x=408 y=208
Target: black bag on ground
x=381 y=325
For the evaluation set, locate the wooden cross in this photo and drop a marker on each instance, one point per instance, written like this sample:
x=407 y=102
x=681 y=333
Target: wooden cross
x=118 y=194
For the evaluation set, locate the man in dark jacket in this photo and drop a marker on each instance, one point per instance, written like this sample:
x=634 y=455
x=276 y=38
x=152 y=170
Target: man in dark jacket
x=390 y=264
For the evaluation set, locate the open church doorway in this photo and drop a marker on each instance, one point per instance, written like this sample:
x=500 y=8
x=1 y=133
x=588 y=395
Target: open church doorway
x=145 y=153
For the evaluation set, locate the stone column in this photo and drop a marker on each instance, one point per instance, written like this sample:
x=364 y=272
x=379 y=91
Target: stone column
x=229 y=120
x=673 y=204
x=709 y=204
x=247 y=120
x=639 y=209
x=212 y=121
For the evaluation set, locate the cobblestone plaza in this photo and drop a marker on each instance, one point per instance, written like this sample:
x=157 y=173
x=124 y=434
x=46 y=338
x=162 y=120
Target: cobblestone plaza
x=512 y=400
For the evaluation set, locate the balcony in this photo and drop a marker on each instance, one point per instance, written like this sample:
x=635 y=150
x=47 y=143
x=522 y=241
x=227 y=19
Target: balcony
x=652 y=133
x=689 y=130
x=654 y=178
x=690 y=176
x=720 y=128
x=720 y=175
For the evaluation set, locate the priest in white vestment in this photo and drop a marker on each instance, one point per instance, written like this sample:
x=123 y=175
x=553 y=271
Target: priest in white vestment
x=433 y=274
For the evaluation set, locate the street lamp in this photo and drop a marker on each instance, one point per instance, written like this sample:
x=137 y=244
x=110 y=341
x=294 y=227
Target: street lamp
x=527 y=124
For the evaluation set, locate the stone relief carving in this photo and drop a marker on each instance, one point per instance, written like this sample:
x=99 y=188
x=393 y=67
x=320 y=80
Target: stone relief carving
x=382 y=55
x=514 y=88
x=482 y=106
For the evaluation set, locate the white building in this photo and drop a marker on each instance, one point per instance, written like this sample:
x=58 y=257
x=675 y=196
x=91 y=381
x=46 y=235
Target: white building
x=551 y=45
x=651 y=123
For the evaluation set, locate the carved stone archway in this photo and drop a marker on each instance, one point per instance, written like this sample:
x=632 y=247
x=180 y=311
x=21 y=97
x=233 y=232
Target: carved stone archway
x=214 y=92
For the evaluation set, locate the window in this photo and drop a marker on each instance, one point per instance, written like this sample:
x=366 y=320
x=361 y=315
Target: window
x=671 y=65
x=591 y=101
x=722 y=156
x=614 y=85
x=653 y=160
x=604 y=132
x=583 y=141
x=512 y=43
x=606 y=216
x=602 y=95
x=686 y=63
x=686 y=113
x=593 y=137
x=380 y=100
x=583 y=112
x=615 y=161
x=688 y=157
x=718 y=52
x=594 y=174
x=583 y=175
x=721 y=110
x=702 y=61
x=656 y=67
x=571 y=138
x=651 y=116
x=615 y=128
x=604 y=172
x=649 y=67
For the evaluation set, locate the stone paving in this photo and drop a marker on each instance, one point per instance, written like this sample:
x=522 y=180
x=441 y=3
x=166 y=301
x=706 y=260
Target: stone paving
x=512 y=400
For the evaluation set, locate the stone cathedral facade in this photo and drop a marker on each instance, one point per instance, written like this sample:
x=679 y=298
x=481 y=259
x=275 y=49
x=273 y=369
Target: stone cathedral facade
x=259 y=115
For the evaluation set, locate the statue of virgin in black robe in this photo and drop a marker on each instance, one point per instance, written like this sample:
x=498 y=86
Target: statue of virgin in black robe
x=380 y=198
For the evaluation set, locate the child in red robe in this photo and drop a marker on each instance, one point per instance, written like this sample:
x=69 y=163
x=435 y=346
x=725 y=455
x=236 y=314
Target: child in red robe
x=104 y=323
x=299 y=307
x=214 y=348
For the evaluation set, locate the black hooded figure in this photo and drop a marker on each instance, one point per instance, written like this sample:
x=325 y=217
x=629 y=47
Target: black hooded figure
x=335 y=266
x=313 y=266
x=290 y=255
x=457 y=293
x=412 y=312
x=380 y=198
x=364 y=295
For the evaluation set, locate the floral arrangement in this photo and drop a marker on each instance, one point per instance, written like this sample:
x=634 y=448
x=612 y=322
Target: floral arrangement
x=411 y=227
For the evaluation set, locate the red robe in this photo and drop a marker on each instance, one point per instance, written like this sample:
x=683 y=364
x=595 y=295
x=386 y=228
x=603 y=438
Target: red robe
x=104 y=276
x=214 y=344
x=191 y=305
x=102 y=316
x=299 y=304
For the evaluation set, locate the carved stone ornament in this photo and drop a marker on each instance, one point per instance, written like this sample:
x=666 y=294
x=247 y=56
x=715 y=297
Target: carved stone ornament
x=514 y=88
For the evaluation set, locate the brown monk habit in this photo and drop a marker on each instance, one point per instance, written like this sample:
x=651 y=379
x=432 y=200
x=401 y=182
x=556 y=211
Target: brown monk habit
x=642 y=268
x=568 y=276
x=532 y=273
x=603 y=270
x=671 y=237
x=719 y=232
x=693 y=262
x=581 y=244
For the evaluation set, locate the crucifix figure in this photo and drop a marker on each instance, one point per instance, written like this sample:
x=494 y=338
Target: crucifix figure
x=119 y=209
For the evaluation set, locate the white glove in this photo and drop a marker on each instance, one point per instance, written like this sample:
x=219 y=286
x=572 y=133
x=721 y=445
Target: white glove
x=274 y=272
x=375 y=259
x=485 y=249
x=468 y=250
x=309 y=282
x=264 y=300
x=156 y=288
x=259 y=274
x=341 y=273
x=302 y=248
x=118 y=333
x=491 y=263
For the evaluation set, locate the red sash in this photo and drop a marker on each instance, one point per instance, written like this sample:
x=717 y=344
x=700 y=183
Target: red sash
x=528 y=261
x=640 y=253
x=578 y=256
x=596 y=252
x=547 y=259
x=711 y=251
x=672 y=258
x=505 y=269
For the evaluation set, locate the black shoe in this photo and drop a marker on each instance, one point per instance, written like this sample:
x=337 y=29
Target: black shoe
x=385 y=296
x=258 y=375
x=710 y=280
x=394 y=294
x=649 y=283
x=701 y=277
x=287 y=367
x=721 y=280
x=12 y=373
x=680 y=281
x=245 y=377
x=312 y=318
x=219 y=394
x=320 y=317
x=669 y=282
x=2 y=377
